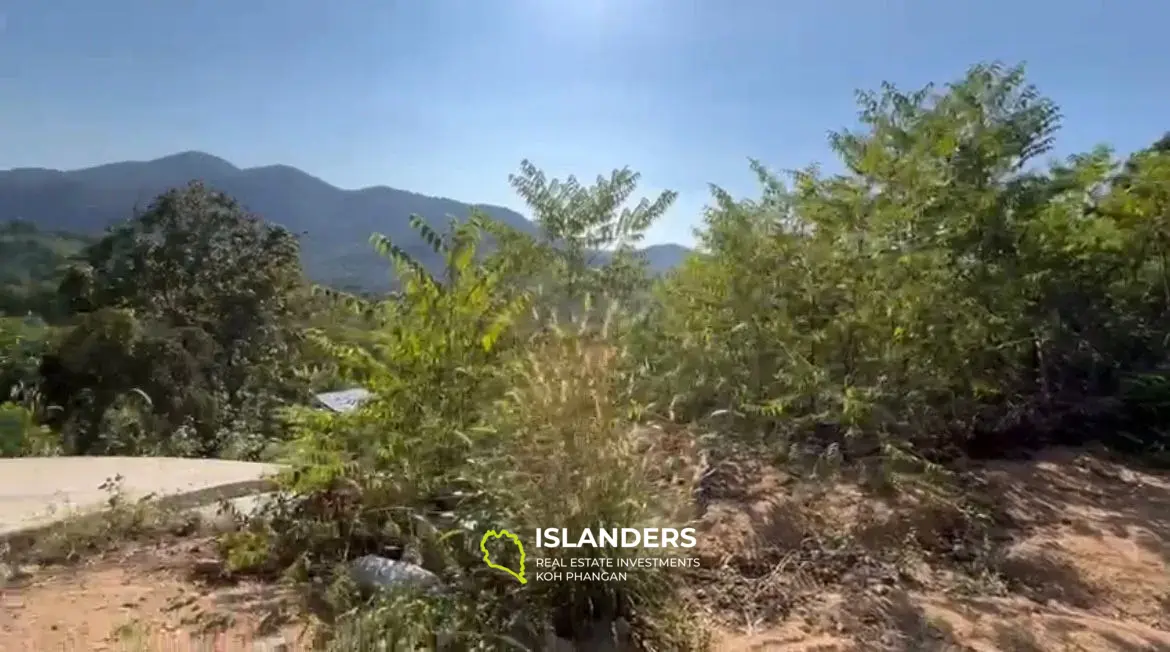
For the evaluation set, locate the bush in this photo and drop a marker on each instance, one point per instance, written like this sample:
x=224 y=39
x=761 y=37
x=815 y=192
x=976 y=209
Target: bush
x=472 y=429
x=938 y=298
x=21 y=435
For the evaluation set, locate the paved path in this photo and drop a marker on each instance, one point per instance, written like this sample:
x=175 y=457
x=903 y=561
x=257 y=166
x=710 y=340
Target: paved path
x=36 y=491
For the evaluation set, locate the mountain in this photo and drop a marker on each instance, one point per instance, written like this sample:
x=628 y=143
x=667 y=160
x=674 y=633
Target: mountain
x=335 y=224
x=664 y=257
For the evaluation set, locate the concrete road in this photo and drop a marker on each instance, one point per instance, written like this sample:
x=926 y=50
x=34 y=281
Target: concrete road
x=36 y=491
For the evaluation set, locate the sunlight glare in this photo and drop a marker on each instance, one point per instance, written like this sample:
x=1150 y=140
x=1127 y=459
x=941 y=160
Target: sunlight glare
x=583 y=17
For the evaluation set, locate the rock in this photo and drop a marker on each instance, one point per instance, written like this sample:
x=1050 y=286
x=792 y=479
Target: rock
x=271 y=644
x=554 y=643
x=602 y=636
x=375 y=572
x=209 y=569
x=11 y=573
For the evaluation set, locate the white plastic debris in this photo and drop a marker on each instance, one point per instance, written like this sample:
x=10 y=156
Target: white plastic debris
x=346 y=400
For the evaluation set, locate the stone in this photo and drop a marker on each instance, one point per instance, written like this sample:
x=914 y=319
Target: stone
x=210 y=569
x=12 y=573
x=376 y=572
x=271 y=644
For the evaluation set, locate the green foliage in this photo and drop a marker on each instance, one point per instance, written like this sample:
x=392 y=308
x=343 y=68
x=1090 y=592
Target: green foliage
x=471 y=426
x=578 y=223
x=22 y=342
x=21 y=435
x=32 y=264
x=194 y=305
x=936 y=297
x=427 y=362
x=131 y=387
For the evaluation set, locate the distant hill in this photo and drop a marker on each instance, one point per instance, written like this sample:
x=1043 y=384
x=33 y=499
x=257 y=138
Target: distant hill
x=664 y=257
x=334 y=224
x=31 y=265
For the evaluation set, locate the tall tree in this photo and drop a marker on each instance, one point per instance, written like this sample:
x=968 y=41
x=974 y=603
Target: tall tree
x=194 y=262
x=579 y=222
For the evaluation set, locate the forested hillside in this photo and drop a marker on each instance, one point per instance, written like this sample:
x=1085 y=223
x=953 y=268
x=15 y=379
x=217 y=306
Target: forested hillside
x=951 y=296
x=332 y=224
x=31 y=265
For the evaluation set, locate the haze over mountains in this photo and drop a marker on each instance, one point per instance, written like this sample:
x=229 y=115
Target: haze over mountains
x=335 y=224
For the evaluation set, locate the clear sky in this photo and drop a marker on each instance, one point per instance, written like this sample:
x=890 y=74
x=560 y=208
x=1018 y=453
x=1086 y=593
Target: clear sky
x=445 y=97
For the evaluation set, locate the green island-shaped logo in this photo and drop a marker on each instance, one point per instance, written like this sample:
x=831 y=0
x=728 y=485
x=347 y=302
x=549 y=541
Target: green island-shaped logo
x=492 y=534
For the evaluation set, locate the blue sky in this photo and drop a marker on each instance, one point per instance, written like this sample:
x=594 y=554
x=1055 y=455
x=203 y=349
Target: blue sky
x=445 y=97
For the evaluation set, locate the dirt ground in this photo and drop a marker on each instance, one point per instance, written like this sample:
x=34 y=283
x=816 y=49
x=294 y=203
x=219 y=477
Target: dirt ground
x=145 y=599
x=1085 y=568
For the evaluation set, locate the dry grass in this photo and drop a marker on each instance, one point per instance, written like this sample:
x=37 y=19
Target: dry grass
x=81 y=534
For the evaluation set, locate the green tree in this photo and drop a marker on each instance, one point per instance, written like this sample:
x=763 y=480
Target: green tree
x=22 y=341
x=224 y=287
x=1125 y=176
x=114 y=362
x=579 y=223
x=935 y=293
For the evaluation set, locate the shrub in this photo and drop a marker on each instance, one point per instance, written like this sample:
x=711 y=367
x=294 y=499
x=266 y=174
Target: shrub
x=468 y=432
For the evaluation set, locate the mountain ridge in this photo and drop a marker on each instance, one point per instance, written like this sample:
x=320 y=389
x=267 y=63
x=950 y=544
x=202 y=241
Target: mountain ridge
x=334 y=223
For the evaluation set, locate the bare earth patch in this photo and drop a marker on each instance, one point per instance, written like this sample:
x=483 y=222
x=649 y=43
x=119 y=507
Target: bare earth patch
x=147 y=598
x=1086 y=567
